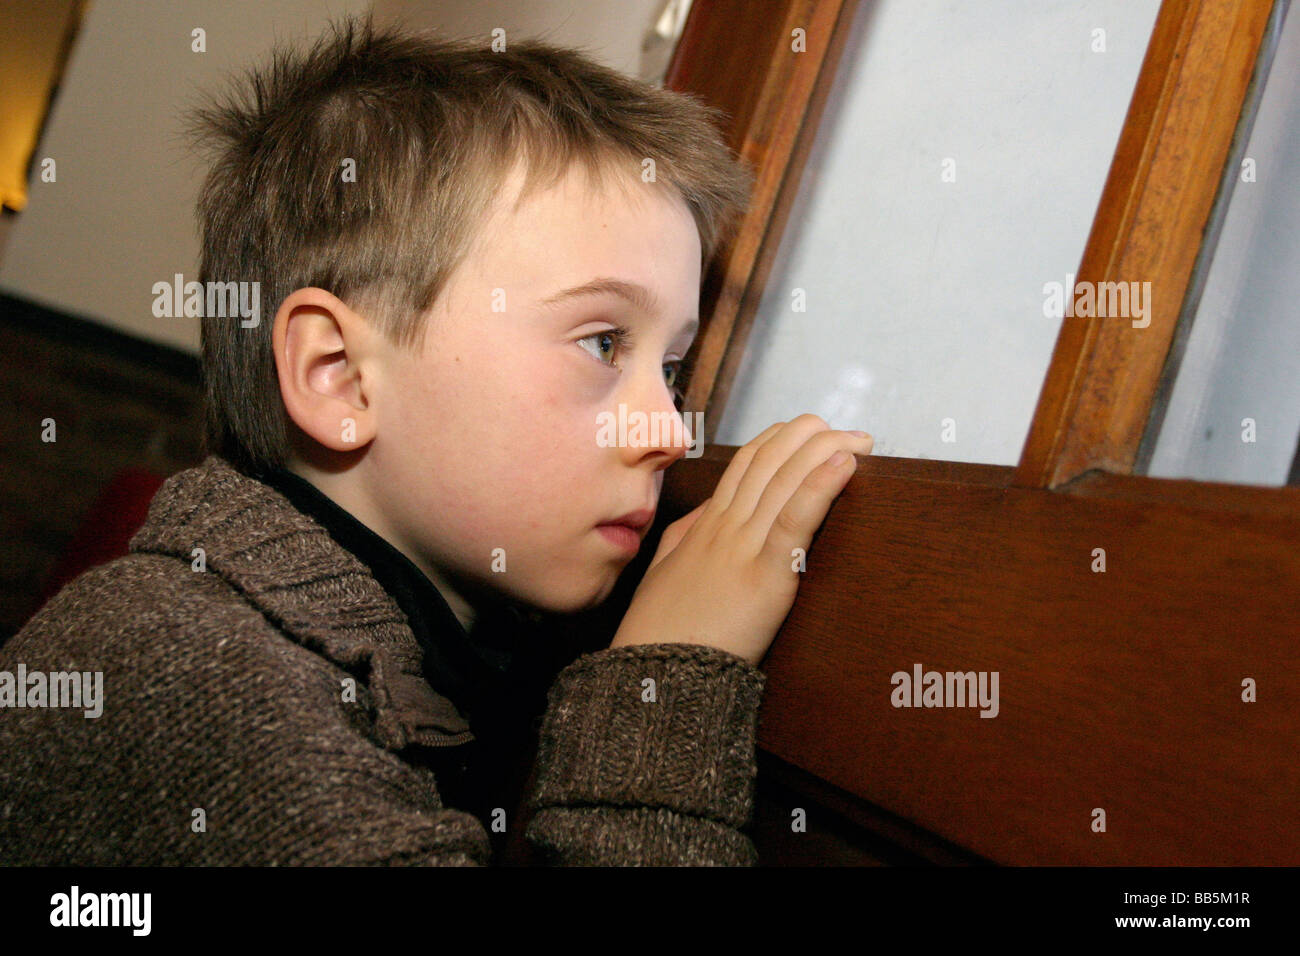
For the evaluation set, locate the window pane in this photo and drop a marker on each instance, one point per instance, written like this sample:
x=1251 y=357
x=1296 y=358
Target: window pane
x=1234 y=410
x=955 y=175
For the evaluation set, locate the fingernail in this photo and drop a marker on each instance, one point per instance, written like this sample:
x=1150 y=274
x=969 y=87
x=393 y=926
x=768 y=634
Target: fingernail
x=839 y=458
x=859 y=434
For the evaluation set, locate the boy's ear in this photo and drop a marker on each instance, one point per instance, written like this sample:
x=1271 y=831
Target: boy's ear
x=320 y=348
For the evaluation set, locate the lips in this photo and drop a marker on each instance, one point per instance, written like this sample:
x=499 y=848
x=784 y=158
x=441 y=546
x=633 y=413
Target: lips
x=638 y=521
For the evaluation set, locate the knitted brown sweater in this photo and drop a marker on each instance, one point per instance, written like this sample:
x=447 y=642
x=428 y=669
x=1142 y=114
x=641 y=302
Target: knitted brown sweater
x=270 y=709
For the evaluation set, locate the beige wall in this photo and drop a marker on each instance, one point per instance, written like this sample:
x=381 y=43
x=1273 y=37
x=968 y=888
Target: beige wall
x=121 y=215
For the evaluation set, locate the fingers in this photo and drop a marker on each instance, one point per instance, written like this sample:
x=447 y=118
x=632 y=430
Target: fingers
x=800 y=446
x=797 y=497
x=737 y=467
x=782 y=478
x=797 y=501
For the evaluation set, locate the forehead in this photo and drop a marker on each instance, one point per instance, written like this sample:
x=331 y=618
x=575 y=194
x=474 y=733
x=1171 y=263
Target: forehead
x=562 y=235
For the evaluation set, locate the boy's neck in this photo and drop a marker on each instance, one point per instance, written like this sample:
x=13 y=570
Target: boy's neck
x=342 y=494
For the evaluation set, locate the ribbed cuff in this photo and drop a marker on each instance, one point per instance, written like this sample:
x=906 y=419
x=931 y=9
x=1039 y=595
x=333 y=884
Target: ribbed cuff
x=685 y=742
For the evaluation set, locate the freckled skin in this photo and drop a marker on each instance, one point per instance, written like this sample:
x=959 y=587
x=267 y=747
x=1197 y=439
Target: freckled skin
x=486 y=438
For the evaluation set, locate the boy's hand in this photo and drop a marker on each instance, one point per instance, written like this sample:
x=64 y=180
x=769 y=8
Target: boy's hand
x=722 y=575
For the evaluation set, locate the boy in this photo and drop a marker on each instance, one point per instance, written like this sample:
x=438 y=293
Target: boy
x=312 y=654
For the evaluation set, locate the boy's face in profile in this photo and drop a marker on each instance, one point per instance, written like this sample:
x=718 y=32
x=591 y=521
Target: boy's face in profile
x=486 y=438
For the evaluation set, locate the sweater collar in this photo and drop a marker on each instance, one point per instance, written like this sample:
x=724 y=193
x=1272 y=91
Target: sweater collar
x=455 y=665
x=289 y=567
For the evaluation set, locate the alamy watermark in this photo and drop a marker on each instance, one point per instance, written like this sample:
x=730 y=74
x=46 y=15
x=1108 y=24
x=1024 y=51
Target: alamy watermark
x=639 y=430
x=76 y=908
x=1128 y=300
x=217 y=300
x=76 y=689
x=946 y=689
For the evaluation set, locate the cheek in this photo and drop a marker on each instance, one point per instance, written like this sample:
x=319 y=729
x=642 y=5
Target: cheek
x=540 y=445
x=456 y=397
x=511 y=431
x=544 y=403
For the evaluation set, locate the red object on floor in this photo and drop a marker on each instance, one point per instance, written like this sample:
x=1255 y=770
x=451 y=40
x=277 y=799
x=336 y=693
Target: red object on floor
x=108 y=528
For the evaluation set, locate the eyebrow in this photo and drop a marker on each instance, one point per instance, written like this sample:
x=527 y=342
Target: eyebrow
x=638 y=295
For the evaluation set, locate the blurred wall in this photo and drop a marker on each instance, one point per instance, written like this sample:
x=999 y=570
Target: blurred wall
x=121 y=215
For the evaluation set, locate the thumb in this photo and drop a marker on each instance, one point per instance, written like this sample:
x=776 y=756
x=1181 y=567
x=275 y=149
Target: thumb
x=674 y=533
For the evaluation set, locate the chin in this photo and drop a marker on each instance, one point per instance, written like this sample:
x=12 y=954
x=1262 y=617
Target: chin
x=573 y=600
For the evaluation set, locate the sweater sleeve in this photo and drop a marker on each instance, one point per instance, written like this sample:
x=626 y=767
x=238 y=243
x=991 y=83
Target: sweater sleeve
x=646 y=757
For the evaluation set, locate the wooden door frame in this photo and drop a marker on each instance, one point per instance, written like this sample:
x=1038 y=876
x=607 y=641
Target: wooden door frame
x=1123 y=688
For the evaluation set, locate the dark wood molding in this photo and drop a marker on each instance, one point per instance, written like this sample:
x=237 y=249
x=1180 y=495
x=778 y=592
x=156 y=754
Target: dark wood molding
x=854 y=832
x=1104 y=374
x=744 y=65
x=64 y=328
x=1210 y=240
x=1119 y=690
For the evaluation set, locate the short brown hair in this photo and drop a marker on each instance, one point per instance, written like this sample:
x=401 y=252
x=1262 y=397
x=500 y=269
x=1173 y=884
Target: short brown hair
x=434 y=126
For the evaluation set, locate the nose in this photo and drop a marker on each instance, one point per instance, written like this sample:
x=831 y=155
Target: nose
x=656 y=429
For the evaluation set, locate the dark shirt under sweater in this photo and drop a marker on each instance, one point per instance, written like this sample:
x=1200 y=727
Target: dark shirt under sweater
x=496 y=674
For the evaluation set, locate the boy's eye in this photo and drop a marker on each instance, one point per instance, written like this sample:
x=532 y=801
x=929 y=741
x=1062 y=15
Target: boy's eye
x=615 y=340
x=618 y=340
